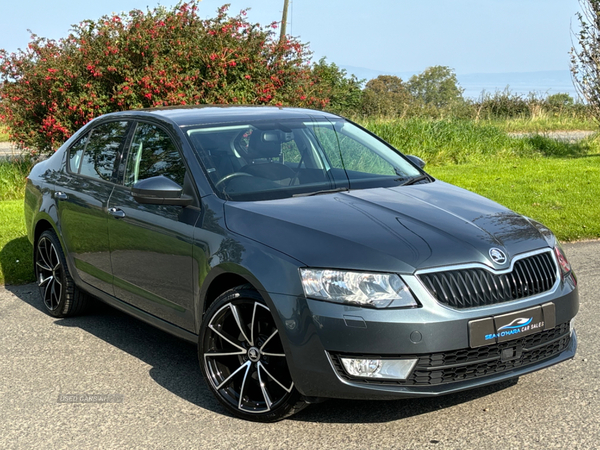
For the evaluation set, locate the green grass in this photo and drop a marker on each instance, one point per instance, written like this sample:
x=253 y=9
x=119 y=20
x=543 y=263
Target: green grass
x=12 y=179
x=543 y=123
x=16 y=257
x=441 y=142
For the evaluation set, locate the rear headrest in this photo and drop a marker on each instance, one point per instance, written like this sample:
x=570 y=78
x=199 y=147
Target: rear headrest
x=265 y=144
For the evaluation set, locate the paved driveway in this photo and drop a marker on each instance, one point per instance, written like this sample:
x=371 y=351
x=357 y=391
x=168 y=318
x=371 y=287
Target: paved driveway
x=109 y=381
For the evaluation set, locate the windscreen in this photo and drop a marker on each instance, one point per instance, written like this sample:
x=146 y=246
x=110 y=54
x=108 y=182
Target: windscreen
x=262 y=160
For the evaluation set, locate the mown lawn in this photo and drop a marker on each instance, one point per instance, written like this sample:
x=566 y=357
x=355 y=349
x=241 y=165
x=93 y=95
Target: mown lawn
x=16 y=254
x=562 y=193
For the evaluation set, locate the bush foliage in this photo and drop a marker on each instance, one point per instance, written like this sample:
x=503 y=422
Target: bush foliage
x=150 y=59
x=436 y=94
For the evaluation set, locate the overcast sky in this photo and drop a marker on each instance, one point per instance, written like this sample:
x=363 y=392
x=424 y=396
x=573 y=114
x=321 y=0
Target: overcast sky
x=471 y=36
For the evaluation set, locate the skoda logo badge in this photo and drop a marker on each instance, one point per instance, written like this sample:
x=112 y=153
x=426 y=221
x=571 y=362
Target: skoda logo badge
x=497 y=255
x=253 y=354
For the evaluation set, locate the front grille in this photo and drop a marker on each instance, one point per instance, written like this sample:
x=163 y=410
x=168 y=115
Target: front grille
x=465 y=364
x=474 y=287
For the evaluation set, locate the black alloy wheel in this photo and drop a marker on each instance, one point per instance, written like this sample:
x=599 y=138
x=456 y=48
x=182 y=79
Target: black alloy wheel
x=57 y=289
x=242 y=358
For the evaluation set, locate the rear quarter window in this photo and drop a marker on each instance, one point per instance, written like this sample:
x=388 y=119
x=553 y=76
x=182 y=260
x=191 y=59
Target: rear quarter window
x=75 y=154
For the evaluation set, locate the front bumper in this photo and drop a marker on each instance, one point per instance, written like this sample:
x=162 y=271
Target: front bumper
x=315 y=333
x=467 y=372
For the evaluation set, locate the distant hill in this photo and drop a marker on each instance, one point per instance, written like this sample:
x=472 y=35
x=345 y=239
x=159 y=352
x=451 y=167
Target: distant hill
x=542 y=83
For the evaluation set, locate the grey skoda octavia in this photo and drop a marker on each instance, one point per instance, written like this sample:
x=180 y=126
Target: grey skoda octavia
x=307 y=258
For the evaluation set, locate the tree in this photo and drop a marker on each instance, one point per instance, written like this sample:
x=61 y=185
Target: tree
x=436 y=86
x=148 y=59
x=386 y=96
x=342 y=91
x=585 y=59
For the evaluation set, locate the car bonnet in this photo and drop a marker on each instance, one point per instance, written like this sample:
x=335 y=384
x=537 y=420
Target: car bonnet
x=399 y=229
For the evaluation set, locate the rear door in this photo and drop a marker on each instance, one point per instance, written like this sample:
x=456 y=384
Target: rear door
x=82 y=198
x=151 y=245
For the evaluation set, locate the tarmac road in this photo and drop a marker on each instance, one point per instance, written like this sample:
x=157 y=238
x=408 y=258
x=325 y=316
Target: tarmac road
x=150 y=393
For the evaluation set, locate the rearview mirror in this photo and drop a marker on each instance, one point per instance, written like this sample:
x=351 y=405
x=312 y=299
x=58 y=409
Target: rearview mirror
x=160 y=190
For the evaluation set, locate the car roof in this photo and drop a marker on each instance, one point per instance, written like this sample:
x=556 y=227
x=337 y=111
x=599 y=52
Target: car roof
x=184 y=116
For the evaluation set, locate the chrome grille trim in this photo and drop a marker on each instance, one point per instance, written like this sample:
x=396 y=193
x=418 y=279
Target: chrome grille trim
x=477 y=285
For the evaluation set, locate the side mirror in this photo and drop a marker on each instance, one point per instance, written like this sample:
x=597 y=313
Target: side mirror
x=160 y=190
x=416 y=161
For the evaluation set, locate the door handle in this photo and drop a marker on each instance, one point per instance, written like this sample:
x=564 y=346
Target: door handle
x=118 y=213
x=60 y=195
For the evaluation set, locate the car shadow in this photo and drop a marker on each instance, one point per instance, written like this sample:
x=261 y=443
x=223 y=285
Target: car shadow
x=174 y=366
x=381 y=411
x=173 y=362
x=16 y=261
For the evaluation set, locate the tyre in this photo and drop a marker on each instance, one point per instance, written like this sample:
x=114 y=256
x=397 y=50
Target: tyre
x=242 y=358
x=58 y=291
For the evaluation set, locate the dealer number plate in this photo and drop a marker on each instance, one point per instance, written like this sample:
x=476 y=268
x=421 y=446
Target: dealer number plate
x=515 y=325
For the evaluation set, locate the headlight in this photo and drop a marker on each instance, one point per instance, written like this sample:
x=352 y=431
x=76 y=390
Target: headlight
x=563 y=262
x=377 y=290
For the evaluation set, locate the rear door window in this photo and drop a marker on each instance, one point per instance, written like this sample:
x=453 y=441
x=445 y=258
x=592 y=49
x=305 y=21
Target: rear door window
x=103 y=145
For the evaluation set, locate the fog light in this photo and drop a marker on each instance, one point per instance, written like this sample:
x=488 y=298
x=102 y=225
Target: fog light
x=398 y=369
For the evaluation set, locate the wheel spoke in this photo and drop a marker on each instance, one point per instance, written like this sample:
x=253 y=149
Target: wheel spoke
x=248 y=364
x=227 y=339
x=53 y=294
x=263 y=388
x=56 y=283
x=48 y=298
x=279 y=355
x=212 y=354
x=43 y=267
x=287 y=389
x=267 y=341
x=238 y=320
x=55 y=255
x=252 y=323
x=43 y=252
x=226 y=380
x=43 y=280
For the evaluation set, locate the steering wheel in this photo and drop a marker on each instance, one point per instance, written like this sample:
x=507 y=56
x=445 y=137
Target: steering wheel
x=230 y=176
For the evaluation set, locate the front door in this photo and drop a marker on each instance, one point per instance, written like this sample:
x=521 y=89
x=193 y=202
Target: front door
x=151 y=245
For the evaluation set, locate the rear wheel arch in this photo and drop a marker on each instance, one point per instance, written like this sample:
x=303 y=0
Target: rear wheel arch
x=46 y=223
x=41 y=226
x=59 y=293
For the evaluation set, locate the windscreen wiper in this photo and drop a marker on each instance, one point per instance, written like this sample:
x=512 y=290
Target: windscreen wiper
x=324 y=191
x=416 y=179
